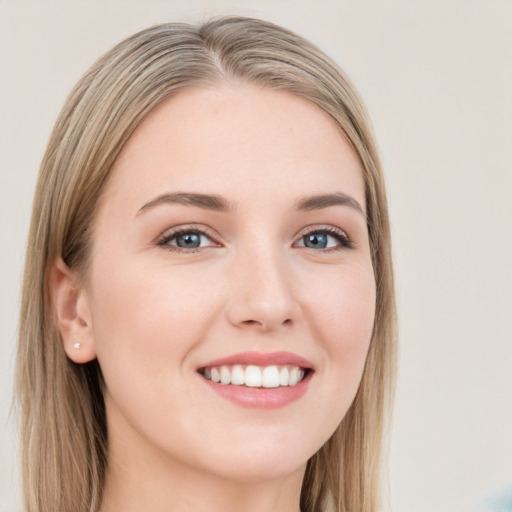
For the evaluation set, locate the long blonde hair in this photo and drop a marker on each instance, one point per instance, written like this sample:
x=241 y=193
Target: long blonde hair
x=64 y=440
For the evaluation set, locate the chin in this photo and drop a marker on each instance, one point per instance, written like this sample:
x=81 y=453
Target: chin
x=261 y=461
x=262 y=470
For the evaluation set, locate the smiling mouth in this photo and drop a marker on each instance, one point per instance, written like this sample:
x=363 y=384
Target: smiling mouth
x=251 y=376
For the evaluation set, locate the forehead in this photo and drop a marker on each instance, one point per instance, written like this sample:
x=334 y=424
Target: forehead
x=239 y=139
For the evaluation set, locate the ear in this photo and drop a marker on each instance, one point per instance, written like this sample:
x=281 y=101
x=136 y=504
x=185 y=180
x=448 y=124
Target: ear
x=72 y=313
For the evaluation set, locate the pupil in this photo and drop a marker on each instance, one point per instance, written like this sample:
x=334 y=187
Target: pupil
x=316 y=240
x=188 y=240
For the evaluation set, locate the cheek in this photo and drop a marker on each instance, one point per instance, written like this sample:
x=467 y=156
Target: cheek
x=346 y=307
x=145 y=326
x=343 y=318
x=142 y=320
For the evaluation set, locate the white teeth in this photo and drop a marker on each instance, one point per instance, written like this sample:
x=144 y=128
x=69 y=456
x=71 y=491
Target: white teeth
x=293 y=378
x=237 y=375
x=253 y=376
x=284 y=377
x=270 y=377
x=225 y=375
x=215 y=375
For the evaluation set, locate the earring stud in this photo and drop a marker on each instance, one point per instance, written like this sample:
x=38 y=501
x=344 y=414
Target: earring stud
x=76 y=345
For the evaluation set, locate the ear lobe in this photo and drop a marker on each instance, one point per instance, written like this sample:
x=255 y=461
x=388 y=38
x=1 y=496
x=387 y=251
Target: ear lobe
x=72 y=313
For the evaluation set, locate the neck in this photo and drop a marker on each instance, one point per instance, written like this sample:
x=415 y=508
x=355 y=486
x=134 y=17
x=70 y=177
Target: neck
x=198 y=495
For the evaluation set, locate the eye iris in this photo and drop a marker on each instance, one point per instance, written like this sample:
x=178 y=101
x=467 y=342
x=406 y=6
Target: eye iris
x=316 y=240
x=188 y=240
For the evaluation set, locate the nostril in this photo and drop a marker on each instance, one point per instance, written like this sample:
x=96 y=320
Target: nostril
x=267 y=326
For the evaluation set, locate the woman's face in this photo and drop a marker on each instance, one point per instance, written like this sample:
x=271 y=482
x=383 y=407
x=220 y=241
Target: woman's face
x=230 y=242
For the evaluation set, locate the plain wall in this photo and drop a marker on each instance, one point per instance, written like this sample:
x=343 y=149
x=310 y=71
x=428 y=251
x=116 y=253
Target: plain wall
x=437 y=79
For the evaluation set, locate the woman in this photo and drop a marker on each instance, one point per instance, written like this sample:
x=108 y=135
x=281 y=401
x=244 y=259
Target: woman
x=208 y=307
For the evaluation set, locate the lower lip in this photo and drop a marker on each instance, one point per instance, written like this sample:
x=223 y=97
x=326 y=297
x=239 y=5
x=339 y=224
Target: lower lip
x=263 y=398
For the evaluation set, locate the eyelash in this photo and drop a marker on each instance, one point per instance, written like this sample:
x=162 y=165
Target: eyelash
x=344 y=241
x=338 y=234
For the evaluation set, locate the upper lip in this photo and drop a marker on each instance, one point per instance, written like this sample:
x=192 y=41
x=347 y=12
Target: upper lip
x=261 y=359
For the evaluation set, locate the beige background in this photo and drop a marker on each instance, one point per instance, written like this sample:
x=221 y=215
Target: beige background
x=437 y=78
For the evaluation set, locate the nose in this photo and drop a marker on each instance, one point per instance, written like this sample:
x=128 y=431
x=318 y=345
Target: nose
x=262 y=294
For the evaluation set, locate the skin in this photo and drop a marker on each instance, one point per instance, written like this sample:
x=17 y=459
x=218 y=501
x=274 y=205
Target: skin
x=152 y=315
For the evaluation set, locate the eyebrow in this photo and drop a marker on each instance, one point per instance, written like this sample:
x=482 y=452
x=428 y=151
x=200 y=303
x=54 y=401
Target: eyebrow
x=204 y=201
x=320 y=201
x=219 y=204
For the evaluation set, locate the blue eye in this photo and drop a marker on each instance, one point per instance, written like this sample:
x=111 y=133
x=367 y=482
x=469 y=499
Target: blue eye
x=186 y=239
x=189 y=240
x=325 y=238
x=316 y=240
